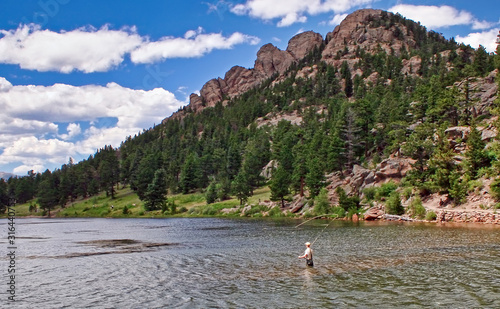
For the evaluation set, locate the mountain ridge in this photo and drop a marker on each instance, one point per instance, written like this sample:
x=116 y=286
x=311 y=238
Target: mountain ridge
x=357 y=30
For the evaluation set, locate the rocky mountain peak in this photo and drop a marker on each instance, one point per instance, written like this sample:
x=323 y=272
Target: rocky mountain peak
x=270 y=60
x=370 y=30
x=301 y=44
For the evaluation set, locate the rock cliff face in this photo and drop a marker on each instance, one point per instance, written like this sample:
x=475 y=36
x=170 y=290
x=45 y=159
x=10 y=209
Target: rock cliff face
x=270 y=60
x=356 y=30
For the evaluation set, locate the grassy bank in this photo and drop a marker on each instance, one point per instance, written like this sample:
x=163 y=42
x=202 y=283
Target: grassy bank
x=126 y=204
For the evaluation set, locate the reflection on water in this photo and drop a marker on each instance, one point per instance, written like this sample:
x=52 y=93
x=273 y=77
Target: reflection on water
x=219 y=263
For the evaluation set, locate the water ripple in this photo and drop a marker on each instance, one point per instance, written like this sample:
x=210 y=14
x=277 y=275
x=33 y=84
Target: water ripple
x=253 y=264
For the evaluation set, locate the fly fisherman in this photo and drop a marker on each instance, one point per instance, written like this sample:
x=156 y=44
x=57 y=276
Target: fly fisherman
x=308 y=255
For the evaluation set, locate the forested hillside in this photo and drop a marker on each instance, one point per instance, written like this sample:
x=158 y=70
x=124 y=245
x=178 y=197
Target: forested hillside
x=378 y=86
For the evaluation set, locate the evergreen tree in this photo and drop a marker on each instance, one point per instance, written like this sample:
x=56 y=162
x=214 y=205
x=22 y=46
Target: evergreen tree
x=299 y=168
x=441 y=163
x=497 y=53
x=280 y=183
x=351 y=133
x=256 y=156
x=24 y=189
x=109 y=170
x=190 y=174
x=144 y=175
x=47 y=193
x=211 y=194
x=241 y=188
x=321 y=203
x=481 y=64
x=315 y=178
x=475 y=154
x=420 y=147
x=4 y=196
x=346 y=75
x=156 y=194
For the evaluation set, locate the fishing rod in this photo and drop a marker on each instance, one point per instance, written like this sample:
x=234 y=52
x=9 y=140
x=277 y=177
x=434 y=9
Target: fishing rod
x=322 y=229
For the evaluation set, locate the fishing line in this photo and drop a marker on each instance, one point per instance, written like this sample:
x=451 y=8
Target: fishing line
x=319 y=234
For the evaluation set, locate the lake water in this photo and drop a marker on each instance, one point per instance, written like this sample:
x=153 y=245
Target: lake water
x=230 y=263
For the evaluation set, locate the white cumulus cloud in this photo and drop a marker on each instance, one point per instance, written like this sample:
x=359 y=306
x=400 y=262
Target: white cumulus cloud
x=28 y=129
x=486 y=38
x=98 y=50
x=193 y=44
x=337 y=19
x=443 y=16
x=86 y=50
x=293 y=11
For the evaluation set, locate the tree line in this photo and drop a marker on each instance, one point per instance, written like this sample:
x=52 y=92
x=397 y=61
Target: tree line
x=345 y=120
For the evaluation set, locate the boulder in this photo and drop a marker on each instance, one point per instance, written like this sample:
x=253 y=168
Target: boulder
x=298 y=204
x=488 y=135
x=267 y=170
x=373 y=213
x=457 y=132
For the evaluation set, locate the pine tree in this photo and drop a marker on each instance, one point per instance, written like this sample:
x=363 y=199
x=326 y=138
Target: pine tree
x=351 y=133
x=497 y=53
x=144 y=175
x=190 y=174
x=280 y=183
x=47 y=194
x=476 y=155
x=315 y=179
x=480 y=64
x=241 y=187
x=420 y=147
x=156 y=194
x=299 y=168
x=109 y=170
x=4 y=196
x=211 y=194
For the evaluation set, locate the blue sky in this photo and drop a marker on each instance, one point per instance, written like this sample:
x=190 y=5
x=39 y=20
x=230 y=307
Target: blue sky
x=76 y=75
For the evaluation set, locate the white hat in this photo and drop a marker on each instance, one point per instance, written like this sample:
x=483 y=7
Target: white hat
x=308 y=243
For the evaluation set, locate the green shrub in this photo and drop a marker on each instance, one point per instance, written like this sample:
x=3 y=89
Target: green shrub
x=125 y=210
x=209 y=211
x=458 y=190
x=308 y=214
x=386 y=189
x=345 y=201
x=416 y=209
x=407 y=192
x=351 y=212
x=495 y=189
x=275 y=212
x=474 y=185
x=393 y=205
x=183 y=209
x=254 y=210
x=86 y=209
x=431 y=216
x=211 y=194
x=338 y=212
x=370 y=193
x=321 y=203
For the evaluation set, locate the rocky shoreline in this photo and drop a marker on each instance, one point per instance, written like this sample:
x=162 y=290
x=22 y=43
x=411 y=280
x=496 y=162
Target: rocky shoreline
x=443 y=215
